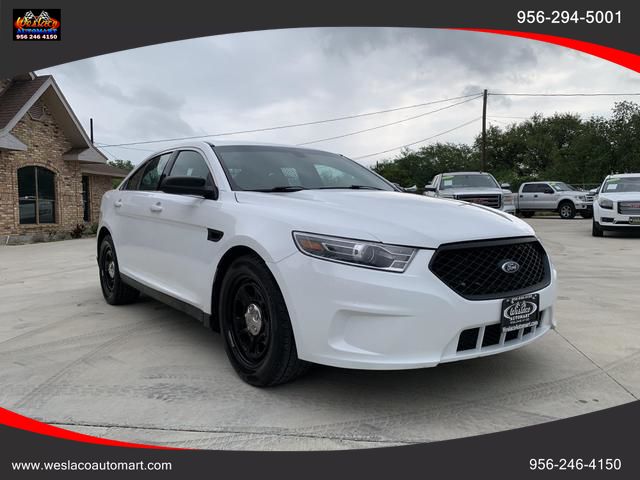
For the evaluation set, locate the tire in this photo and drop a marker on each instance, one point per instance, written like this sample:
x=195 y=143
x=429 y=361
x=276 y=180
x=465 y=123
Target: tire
x=586 y=214
x=567 y=210
x=255 y=325
x=528 y=214
x=114 y=290
x=596 y=230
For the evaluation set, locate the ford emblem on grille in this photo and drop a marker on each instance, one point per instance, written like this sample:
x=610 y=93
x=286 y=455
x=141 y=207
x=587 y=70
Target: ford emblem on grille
x=509 y=266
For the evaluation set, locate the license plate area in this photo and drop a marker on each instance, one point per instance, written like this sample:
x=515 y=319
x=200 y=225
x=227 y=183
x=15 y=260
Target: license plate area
x=634 y=220
x=520 y=312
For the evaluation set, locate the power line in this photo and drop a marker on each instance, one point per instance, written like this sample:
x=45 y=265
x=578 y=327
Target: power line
x=293 y=125
x=567 y=94
x=387 y=124
x=418 y=141
x=102 y=145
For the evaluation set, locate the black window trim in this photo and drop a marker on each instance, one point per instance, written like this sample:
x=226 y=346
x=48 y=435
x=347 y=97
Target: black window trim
x=172 y=161
x=125 y=185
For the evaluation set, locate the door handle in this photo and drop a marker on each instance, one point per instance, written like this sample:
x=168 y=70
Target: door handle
x=156 y=207
x=521 y=196
x=535 y=196
x=117 y=203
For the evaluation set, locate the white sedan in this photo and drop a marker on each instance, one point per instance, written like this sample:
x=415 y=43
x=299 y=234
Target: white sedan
x=617 y=206
x=300 y=256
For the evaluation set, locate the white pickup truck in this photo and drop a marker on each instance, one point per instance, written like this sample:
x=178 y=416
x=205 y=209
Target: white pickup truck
x=553 y=197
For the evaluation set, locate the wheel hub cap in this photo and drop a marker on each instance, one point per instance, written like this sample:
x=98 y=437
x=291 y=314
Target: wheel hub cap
x=111 y=269
x=253 y=319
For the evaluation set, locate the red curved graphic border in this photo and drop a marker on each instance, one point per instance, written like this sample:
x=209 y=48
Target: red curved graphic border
x=620 y=57
x=15 y=420
x=625 y=59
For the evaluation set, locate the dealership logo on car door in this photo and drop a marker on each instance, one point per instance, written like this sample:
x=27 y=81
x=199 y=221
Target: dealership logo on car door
x=509 y=266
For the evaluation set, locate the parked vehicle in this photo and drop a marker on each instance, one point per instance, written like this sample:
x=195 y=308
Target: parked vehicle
x=297 y=255
x=553 y=197
x=474 y=187
x=617 y=205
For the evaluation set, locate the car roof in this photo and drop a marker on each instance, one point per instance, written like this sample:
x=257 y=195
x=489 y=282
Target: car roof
x=545 y=181
x=466 y=173
x=624 y=175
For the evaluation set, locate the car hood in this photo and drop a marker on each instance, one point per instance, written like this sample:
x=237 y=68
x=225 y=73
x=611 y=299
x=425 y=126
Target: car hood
x=621 y=196
x=472 y=191
x=389 y=217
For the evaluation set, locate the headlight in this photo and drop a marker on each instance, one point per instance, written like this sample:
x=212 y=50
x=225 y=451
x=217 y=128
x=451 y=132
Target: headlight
x=507 y=199
x=582 y=198
x=605 y=203
x=360 y=253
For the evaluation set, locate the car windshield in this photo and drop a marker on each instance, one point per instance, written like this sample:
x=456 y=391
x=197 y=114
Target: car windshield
x=474 y=180
x=561 y=187
x=288 y=169
x=623 y=184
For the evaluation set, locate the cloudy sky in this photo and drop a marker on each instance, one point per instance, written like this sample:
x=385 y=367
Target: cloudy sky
x=261 y=79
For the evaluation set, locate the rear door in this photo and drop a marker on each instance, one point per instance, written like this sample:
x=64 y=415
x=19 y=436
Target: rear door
x=133 y=234
x=183 y=246
x=528 y=196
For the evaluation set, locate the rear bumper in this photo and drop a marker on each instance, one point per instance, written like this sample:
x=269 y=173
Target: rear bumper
x=353 y=317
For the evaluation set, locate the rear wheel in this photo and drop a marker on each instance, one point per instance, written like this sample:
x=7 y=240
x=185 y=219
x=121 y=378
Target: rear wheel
x=255 y=325
x=567 y=210
x=528 y=214
x=114 y=290
x=596 y=229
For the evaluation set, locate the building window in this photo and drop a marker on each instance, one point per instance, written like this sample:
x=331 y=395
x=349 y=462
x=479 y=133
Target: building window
x=37 y=195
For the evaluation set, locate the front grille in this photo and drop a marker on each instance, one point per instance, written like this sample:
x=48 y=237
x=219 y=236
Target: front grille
x=493 y=201
x=490 y=335
x=474 y=269
x=629 y=208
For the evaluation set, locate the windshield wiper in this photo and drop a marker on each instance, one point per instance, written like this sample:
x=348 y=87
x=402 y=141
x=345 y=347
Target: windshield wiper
x=283 y=188
x=352 y=187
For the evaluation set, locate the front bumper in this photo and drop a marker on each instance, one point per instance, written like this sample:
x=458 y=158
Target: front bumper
x=353 y=317
x=610 y=219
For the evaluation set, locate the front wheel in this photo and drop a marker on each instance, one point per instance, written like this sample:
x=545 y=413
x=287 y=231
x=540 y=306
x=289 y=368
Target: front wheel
x=596 y=229
x=567 y=210
x=255 y=325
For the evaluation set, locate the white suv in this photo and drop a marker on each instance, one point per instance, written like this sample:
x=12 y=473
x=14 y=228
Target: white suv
x=297 y=255
x=617 y=204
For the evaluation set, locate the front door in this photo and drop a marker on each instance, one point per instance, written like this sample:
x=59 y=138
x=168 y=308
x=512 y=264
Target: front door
x=86 y=205
x=183 y=251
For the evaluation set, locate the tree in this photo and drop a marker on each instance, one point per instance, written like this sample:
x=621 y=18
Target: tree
x=122 y=164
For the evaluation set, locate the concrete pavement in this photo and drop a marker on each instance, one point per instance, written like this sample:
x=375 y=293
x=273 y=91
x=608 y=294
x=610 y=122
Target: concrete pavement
x=146 y=373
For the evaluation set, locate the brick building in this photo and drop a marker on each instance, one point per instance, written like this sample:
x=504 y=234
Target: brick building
x=51 y=176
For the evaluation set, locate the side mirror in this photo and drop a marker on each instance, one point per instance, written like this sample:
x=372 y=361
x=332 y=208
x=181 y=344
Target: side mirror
x=189 y=186
x=506 y=186
x=411 y=189
x=429 y=188
x=594 y=191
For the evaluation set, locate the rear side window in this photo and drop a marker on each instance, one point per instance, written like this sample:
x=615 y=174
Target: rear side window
x=530 y=188
x=153 y=171
x=191 y=164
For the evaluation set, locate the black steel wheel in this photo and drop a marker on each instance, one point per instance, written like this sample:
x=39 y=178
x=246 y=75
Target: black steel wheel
x=114 y=290
x=255 y=325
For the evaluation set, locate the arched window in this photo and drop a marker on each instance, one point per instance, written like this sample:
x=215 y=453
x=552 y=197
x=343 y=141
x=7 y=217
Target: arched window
x=37 y=195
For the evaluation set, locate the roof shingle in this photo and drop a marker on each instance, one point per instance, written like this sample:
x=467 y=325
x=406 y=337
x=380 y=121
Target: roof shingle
x=14 y=97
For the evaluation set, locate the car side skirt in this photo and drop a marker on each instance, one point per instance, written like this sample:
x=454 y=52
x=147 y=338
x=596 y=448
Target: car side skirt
x=172 y=302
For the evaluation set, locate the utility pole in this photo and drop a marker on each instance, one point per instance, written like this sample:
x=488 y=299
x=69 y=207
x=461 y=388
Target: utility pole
x=484 y=130
x=91 y=128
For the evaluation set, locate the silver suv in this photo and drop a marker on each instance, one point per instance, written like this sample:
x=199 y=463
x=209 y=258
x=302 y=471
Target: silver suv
x=553 y=197
x=474 y=187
